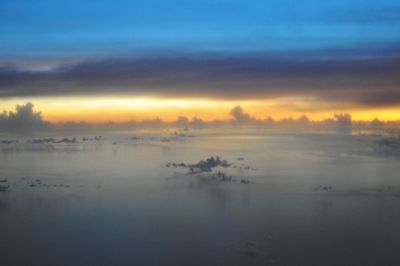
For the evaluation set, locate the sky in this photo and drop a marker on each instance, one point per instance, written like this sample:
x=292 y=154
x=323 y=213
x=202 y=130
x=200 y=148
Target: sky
x=102 y=60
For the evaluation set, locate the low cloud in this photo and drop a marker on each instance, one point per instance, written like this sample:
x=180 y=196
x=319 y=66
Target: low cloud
x=239 y=116
x=23 y=119
x=343 y=119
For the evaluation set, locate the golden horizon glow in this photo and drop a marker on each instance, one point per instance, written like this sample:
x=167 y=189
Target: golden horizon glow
x=102 y=109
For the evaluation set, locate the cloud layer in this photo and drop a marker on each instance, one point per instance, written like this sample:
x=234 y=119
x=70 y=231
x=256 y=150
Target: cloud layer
x=367 y=78
x=26 y=120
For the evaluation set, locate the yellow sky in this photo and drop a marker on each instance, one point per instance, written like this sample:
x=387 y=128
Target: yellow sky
x=120 y=109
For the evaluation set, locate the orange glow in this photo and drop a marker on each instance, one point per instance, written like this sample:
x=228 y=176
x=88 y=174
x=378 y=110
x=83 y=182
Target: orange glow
x=121 y=109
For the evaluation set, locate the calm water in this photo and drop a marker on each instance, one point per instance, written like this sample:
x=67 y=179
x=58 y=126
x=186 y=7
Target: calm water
x=312 y=199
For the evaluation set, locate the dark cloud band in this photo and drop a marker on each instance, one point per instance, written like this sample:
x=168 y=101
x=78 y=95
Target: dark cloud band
x=351 y=77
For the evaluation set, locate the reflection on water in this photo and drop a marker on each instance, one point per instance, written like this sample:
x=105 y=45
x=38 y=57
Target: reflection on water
x=314 y=199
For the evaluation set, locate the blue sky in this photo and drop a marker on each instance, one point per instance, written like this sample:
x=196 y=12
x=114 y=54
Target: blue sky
x=342 y=50
x=71 y=28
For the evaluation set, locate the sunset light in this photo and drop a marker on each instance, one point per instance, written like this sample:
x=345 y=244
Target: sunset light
x=199 y=132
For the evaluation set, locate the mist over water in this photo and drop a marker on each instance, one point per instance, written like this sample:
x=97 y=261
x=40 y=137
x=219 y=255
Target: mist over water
x=286 y=198
x=199 y=133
